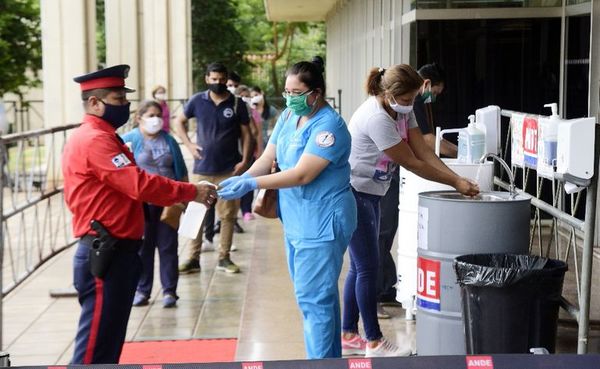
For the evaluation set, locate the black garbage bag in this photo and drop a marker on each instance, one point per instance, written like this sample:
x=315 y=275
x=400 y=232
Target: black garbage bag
x=510 y=302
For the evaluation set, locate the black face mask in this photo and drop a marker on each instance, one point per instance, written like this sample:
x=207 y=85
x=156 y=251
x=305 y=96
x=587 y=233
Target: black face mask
x=218 y=88
x=116 y=115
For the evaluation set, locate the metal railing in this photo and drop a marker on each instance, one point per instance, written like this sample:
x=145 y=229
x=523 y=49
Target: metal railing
x=568 y=236
x=36 y=224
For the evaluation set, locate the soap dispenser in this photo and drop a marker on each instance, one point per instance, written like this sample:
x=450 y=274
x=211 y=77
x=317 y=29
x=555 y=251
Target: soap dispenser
x=471 y=143
x=548 y=135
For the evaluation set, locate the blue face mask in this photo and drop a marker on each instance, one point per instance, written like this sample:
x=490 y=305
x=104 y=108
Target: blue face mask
x=116 y=115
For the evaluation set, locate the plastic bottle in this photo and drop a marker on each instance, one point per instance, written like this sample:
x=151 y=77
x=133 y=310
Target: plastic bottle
x=549 y=129
x=471 y=143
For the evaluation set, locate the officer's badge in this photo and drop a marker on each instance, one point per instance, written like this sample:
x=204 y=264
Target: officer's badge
x=325 y=139
x=121 y=160
x=228 y=113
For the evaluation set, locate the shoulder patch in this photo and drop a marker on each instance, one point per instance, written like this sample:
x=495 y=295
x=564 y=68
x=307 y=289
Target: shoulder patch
x=120 y=160
x=325 y=139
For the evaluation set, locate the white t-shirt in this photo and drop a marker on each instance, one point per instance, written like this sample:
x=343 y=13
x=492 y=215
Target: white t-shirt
x=373 y=130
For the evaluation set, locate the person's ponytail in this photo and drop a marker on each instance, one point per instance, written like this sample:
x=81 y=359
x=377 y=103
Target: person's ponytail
x=373 y=85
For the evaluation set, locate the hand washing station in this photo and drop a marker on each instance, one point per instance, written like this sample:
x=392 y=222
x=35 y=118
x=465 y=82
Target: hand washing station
x=449 y=225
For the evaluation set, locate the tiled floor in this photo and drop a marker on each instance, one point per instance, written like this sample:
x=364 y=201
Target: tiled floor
x=256 y=306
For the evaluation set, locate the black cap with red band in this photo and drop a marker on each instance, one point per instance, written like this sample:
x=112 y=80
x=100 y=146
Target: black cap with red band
x=112 y=77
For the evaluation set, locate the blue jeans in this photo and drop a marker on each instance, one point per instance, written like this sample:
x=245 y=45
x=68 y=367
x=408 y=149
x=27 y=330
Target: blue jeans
x=360 y=288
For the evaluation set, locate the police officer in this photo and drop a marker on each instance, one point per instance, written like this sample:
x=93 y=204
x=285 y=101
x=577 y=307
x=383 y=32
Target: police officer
x=103 y=184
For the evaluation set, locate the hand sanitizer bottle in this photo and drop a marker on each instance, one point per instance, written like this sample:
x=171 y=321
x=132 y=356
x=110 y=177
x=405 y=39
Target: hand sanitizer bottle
x=471 y=143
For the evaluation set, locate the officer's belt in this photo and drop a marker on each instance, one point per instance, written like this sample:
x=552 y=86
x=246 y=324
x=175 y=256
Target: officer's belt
x=126 y=245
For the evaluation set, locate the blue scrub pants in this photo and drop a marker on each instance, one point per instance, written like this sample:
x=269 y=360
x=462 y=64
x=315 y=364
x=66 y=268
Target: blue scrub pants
x=360 y=289
x=158 y=235
x=105 y=304
x=315 y=268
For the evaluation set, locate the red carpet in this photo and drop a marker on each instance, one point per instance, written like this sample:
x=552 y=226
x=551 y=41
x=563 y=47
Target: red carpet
x=188 y=351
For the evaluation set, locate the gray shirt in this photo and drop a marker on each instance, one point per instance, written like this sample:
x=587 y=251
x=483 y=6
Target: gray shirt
x=156 y=158
x=373 y=130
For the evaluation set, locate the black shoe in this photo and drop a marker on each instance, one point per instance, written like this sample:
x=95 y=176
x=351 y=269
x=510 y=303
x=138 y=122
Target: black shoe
x=218 y=227
x=237 y=228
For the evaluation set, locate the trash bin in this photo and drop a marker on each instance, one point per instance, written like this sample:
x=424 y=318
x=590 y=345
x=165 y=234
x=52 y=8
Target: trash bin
x=509 y=302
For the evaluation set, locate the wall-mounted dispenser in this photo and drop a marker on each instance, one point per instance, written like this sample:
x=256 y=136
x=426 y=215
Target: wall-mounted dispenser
x=488 y=120
x=575 y=151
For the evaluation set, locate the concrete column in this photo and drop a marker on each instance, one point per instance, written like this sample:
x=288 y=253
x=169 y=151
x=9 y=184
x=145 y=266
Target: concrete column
x=167 y=47
x=180 y=49
x=154 y=38
x=123 y=23
x=68 y=50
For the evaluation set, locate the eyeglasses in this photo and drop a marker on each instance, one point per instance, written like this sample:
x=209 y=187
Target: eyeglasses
x=285 y=94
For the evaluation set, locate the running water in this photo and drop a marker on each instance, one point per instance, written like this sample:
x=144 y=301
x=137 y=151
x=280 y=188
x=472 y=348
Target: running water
x=479 y=172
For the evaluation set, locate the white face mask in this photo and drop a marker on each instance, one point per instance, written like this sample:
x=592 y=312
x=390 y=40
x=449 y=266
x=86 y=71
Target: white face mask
x=402 y=109
x=162 y=96
x=246 y=99
x=231 y=89
x=256 y=100
x=152 y=125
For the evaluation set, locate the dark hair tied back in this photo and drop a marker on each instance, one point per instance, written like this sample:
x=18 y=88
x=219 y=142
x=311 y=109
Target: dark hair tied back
x=319 y=63
x=310 y=73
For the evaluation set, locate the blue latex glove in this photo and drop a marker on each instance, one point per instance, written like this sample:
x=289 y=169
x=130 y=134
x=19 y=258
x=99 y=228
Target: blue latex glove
x=237 y=189
x=233 y=180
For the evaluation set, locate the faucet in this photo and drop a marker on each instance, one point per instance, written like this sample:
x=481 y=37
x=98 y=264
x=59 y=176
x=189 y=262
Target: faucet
x=511 y=189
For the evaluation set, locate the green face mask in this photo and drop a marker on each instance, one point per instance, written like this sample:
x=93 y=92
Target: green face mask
x=298 y=104
x=428 y=96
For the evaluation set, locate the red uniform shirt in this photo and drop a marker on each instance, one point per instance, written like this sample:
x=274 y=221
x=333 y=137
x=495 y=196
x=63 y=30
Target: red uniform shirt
x=102 y=182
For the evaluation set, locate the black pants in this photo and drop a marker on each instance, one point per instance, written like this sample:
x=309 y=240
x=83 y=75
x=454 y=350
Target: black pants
x=387 y=277
x=105 y=304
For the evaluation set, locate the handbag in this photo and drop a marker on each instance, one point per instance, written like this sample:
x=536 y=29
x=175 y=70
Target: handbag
x=267 y=199
x=172 y=214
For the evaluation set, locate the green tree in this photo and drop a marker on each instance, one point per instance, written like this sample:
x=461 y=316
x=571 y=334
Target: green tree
x=274 y=46
x=20 y=45
x=215 y=38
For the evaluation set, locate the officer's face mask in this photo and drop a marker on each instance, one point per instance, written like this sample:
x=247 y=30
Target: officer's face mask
x=402 y=109
x=218 y=88
x=152 y=125
x=116 y=115
x=298 y=104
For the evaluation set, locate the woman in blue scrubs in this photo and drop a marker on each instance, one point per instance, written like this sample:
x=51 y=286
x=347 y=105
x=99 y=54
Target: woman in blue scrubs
x=311 y=145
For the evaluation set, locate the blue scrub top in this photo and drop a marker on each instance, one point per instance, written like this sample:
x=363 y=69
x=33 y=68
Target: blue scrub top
x=324 y=209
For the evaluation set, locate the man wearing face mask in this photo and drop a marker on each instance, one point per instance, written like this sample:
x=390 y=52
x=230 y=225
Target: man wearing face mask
x=105 y=190
x=222 y=121
x=433 y=85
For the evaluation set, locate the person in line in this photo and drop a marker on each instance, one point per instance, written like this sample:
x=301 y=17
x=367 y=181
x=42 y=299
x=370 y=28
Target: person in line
x=156 y=152
x=222 y=121
x=159 y=93
x=105 y=190
x=311 y=145
x=233 y=82
x=263 y=112
x=433 y=85
x=384 y=135
x=243 y=92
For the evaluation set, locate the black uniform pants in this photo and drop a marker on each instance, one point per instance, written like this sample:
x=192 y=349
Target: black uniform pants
x=105 y=303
